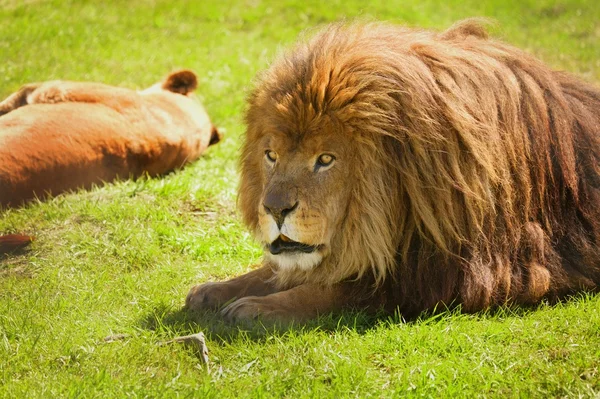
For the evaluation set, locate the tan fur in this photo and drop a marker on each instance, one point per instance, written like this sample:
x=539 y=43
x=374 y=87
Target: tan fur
x=466 y=172
x=58 y=136
x=13 y=242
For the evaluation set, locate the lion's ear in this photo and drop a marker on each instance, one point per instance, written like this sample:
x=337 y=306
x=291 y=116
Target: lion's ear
x=468 y=27
x=182 y=82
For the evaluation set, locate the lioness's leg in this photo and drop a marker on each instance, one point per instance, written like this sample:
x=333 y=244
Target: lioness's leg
x=214 y=295
x=18 y=99
x=58 y=91
x=301 y=303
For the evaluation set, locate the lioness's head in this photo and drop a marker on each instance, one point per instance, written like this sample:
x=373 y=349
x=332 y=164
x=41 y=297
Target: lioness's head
x=184 y=82
x=315 y=178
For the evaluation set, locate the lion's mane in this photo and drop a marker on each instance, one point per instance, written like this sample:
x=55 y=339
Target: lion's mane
x=477 y=174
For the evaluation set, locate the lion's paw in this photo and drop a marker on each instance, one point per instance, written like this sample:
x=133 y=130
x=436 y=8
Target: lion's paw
x=251 y=308
x=208 y=296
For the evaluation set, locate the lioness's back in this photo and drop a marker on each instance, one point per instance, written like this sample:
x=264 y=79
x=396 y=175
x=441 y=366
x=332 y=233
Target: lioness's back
x=60 y=147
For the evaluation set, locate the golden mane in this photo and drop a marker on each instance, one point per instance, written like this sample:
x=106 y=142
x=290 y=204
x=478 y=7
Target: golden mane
x=477 y=169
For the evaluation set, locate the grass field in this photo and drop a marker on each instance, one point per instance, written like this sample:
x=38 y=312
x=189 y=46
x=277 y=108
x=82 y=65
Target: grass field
x=121 y=258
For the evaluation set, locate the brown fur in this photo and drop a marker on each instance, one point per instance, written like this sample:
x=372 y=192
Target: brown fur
x=467 y=172
x=13 y=242
x=58 y=136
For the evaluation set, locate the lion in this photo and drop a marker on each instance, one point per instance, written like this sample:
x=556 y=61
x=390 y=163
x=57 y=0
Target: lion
x=403 y=170
x=58 y=136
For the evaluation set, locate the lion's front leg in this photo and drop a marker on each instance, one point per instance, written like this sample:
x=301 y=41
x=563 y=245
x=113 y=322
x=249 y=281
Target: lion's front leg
x=216 y=294
x=18 y=99
x=298 y=304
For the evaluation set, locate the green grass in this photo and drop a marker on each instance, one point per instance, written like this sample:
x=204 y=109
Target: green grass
x=121 y=258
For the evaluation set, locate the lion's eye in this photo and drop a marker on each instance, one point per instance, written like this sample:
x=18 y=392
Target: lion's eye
x=271 y=156
x=325 y=160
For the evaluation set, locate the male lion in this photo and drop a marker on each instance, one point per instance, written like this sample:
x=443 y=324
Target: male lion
x=392 y=168
x=57 y=136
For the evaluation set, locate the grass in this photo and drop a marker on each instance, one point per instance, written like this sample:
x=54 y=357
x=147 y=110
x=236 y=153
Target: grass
x=121 y=258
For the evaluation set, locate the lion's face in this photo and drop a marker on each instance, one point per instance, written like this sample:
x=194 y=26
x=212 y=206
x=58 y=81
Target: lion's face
x=318 y=184
x=304 y=194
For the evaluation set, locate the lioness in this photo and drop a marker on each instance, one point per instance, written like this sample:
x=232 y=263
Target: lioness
x=58 y=136
x=396 y=168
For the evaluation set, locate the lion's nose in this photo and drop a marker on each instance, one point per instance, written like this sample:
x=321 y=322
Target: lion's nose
x=279 y=206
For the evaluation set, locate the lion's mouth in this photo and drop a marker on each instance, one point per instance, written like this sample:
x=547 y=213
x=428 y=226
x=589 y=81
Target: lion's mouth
x=284 y=244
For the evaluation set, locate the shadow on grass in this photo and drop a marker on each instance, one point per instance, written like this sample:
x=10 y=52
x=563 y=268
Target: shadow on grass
x=13 y=254
x=180 y=321
x=16 y=263
x=173 y=322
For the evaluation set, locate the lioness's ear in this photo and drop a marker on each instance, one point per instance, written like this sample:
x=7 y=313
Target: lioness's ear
x=182 y=82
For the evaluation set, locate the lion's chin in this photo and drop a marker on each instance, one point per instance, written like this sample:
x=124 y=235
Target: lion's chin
x=295 y=260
